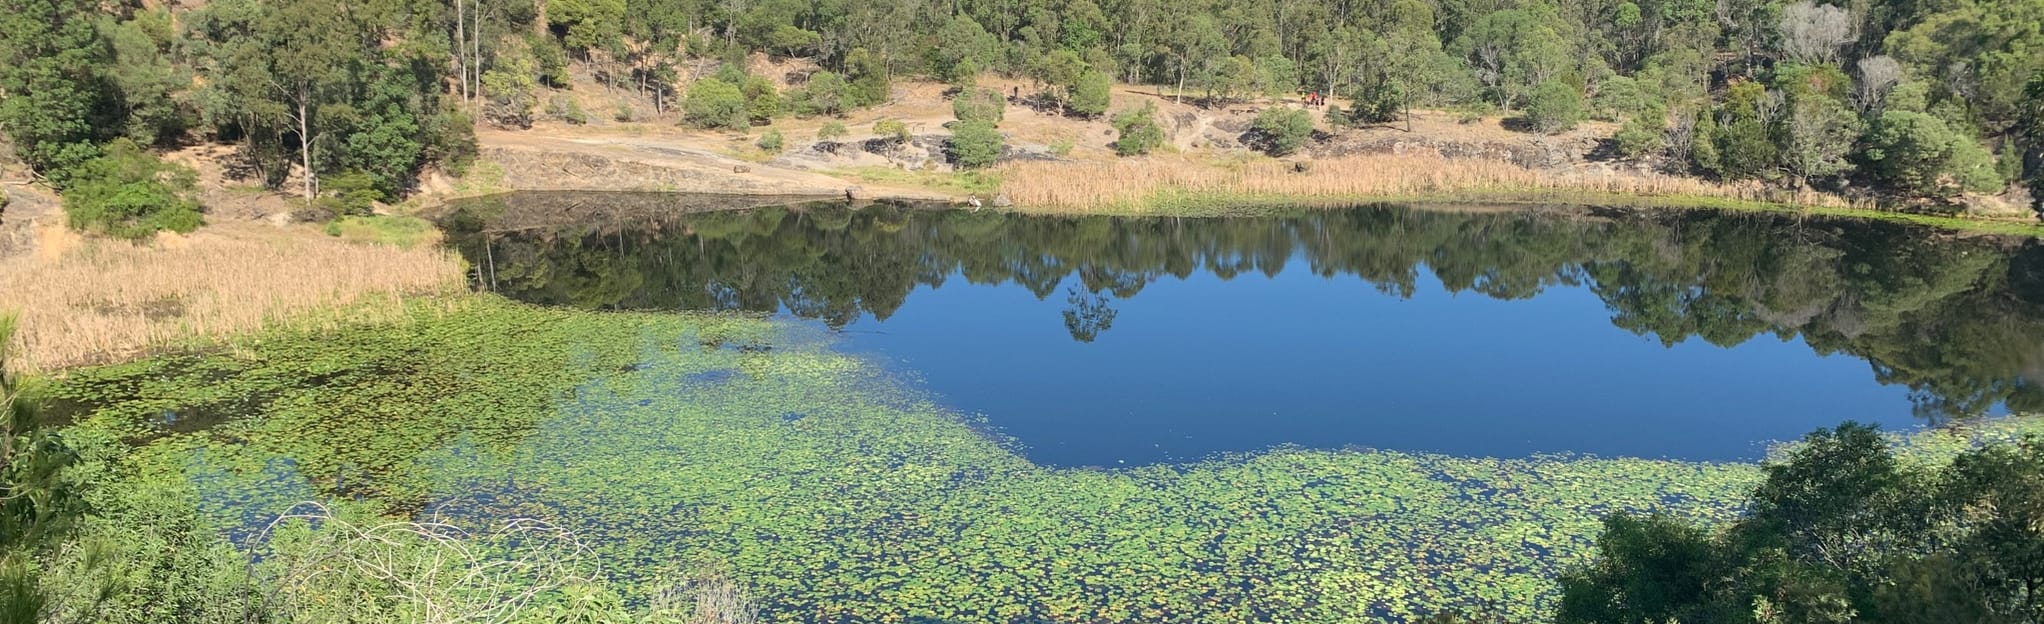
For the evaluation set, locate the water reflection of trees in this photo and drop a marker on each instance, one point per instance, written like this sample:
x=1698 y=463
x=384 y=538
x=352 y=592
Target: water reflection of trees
x=1959 y=321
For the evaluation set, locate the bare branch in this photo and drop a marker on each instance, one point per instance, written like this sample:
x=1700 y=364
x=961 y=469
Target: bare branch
x=1813 y=33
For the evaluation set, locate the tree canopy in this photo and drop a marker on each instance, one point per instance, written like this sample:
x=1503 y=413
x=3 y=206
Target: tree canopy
x=1782 y=92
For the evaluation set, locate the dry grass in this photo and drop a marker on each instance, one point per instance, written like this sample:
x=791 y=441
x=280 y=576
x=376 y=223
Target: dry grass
x=1122 y=184
x=86 y=301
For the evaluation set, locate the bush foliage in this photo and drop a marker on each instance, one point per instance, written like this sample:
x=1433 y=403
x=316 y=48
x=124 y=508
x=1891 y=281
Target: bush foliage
x=129 y=193
x=1283 y=130
x=976 y=144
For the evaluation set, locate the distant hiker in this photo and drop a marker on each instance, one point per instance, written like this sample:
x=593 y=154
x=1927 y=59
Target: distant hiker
x=1015 y=95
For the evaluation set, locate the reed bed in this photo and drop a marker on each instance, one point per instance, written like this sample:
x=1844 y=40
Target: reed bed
x=87 y=301
x=1133 y=183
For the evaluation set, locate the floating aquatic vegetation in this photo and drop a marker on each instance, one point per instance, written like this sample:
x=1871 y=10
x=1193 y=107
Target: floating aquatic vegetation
x=678 y=444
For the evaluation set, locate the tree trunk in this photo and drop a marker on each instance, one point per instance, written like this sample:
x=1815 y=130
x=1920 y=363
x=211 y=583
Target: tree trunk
x=461 y=48
x=1179 y=97
x=305 y=149
x=476 y=40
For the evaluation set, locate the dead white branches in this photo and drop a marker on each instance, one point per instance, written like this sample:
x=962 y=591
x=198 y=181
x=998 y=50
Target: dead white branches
x=431 y=572
x=1815 y=33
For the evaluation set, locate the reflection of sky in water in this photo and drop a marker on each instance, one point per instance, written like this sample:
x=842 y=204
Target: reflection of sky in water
x=1344 y=328
x=1204 y=365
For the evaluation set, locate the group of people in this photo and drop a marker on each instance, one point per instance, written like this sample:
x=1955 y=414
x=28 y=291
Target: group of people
x=1314 y=99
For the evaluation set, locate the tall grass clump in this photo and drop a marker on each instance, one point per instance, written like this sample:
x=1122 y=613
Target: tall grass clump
x=1067 y=187
x=90 y=301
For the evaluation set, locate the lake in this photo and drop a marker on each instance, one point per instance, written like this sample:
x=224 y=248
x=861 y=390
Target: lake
x=1466 y=331
x=892 y=413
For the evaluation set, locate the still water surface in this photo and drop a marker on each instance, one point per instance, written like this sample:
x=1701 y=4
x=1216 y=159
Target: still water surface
x=1107 y=341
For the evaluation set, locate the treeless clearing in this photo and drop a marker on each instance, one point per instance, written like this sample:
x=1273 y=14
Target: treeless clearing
x=85 y=301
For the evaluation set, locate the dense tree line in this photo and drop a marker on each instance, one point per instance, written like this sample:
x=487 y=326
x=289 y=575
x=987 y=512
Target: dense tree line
x=1932 y=315
x=1922 y=99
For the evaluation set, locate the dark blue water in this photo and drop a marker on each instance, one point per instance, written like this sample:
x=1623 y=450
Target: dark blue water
x=1116 y=341
x=1203 y=365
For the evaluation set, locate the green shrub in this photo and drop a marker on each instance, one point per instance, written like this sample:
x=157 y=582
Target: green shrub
x=713 y=103
x=964 y=75
x=352 y=192
x=893 y=128
x=975 y=144
x=824 y=94
x=1919 y=155
x=1093 y=93
x=1062 y=147
x=507 y=98
x=566 y=109
x=1372 y=104
x=1554 y=107
x=762 y=101
x=550 y=61
x=1284 y=129
x=1744 y=150
x=1703 y=149
x=1620 y=97
x=1137 y=132
x=832 y=130
x=772 y=142
x=869 y=83
x=129 y=193
x=984 y=105
x=1643 y=134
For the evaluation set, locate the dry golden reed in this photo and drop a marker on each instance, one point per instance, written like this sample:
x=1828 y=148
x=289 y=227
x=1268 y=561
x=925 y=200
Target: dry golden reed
x=93 y=301
x=1080 y=187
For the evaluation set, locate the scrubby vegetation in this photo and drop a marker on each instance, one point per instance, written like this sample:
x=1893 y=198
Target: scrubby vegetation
x=713 y=103
x=1843 y=529
x=1137 y=132
x=976 y=144
x=771 y=142
x=1554 y=107
x=979 y=105
x=1283 y=130
x=128 y=193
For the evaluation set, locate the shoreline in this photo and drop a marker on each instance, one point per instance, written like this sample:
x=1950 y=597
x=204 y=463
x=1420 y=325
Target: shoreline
x=1203 y=183
x=1172 y=203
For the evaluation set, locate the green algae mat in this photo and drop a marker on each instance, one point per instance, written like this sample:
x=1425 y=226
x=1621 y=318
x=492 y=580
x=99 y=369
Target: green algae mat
x=674 y=444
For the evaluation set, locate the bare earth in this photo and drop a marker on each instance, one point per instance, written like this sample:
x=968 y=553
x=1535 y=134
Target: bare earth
x=661 y=155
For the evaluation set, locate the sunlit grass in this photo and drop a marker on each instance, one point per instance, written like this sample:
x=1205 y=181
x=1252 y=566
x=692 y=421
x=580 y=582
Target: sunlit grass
x=973 y=182
x=1179 y=186
x=397 y=231
x=88 y=301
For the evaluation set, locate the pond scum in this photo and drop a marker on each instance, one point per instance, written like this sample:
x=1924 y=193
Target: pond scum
x=674 y=444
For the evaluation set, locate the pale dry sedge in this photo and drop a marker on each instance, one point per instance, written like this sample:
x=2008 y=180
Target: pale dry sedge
x=1078 y=187
x=92 y=301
